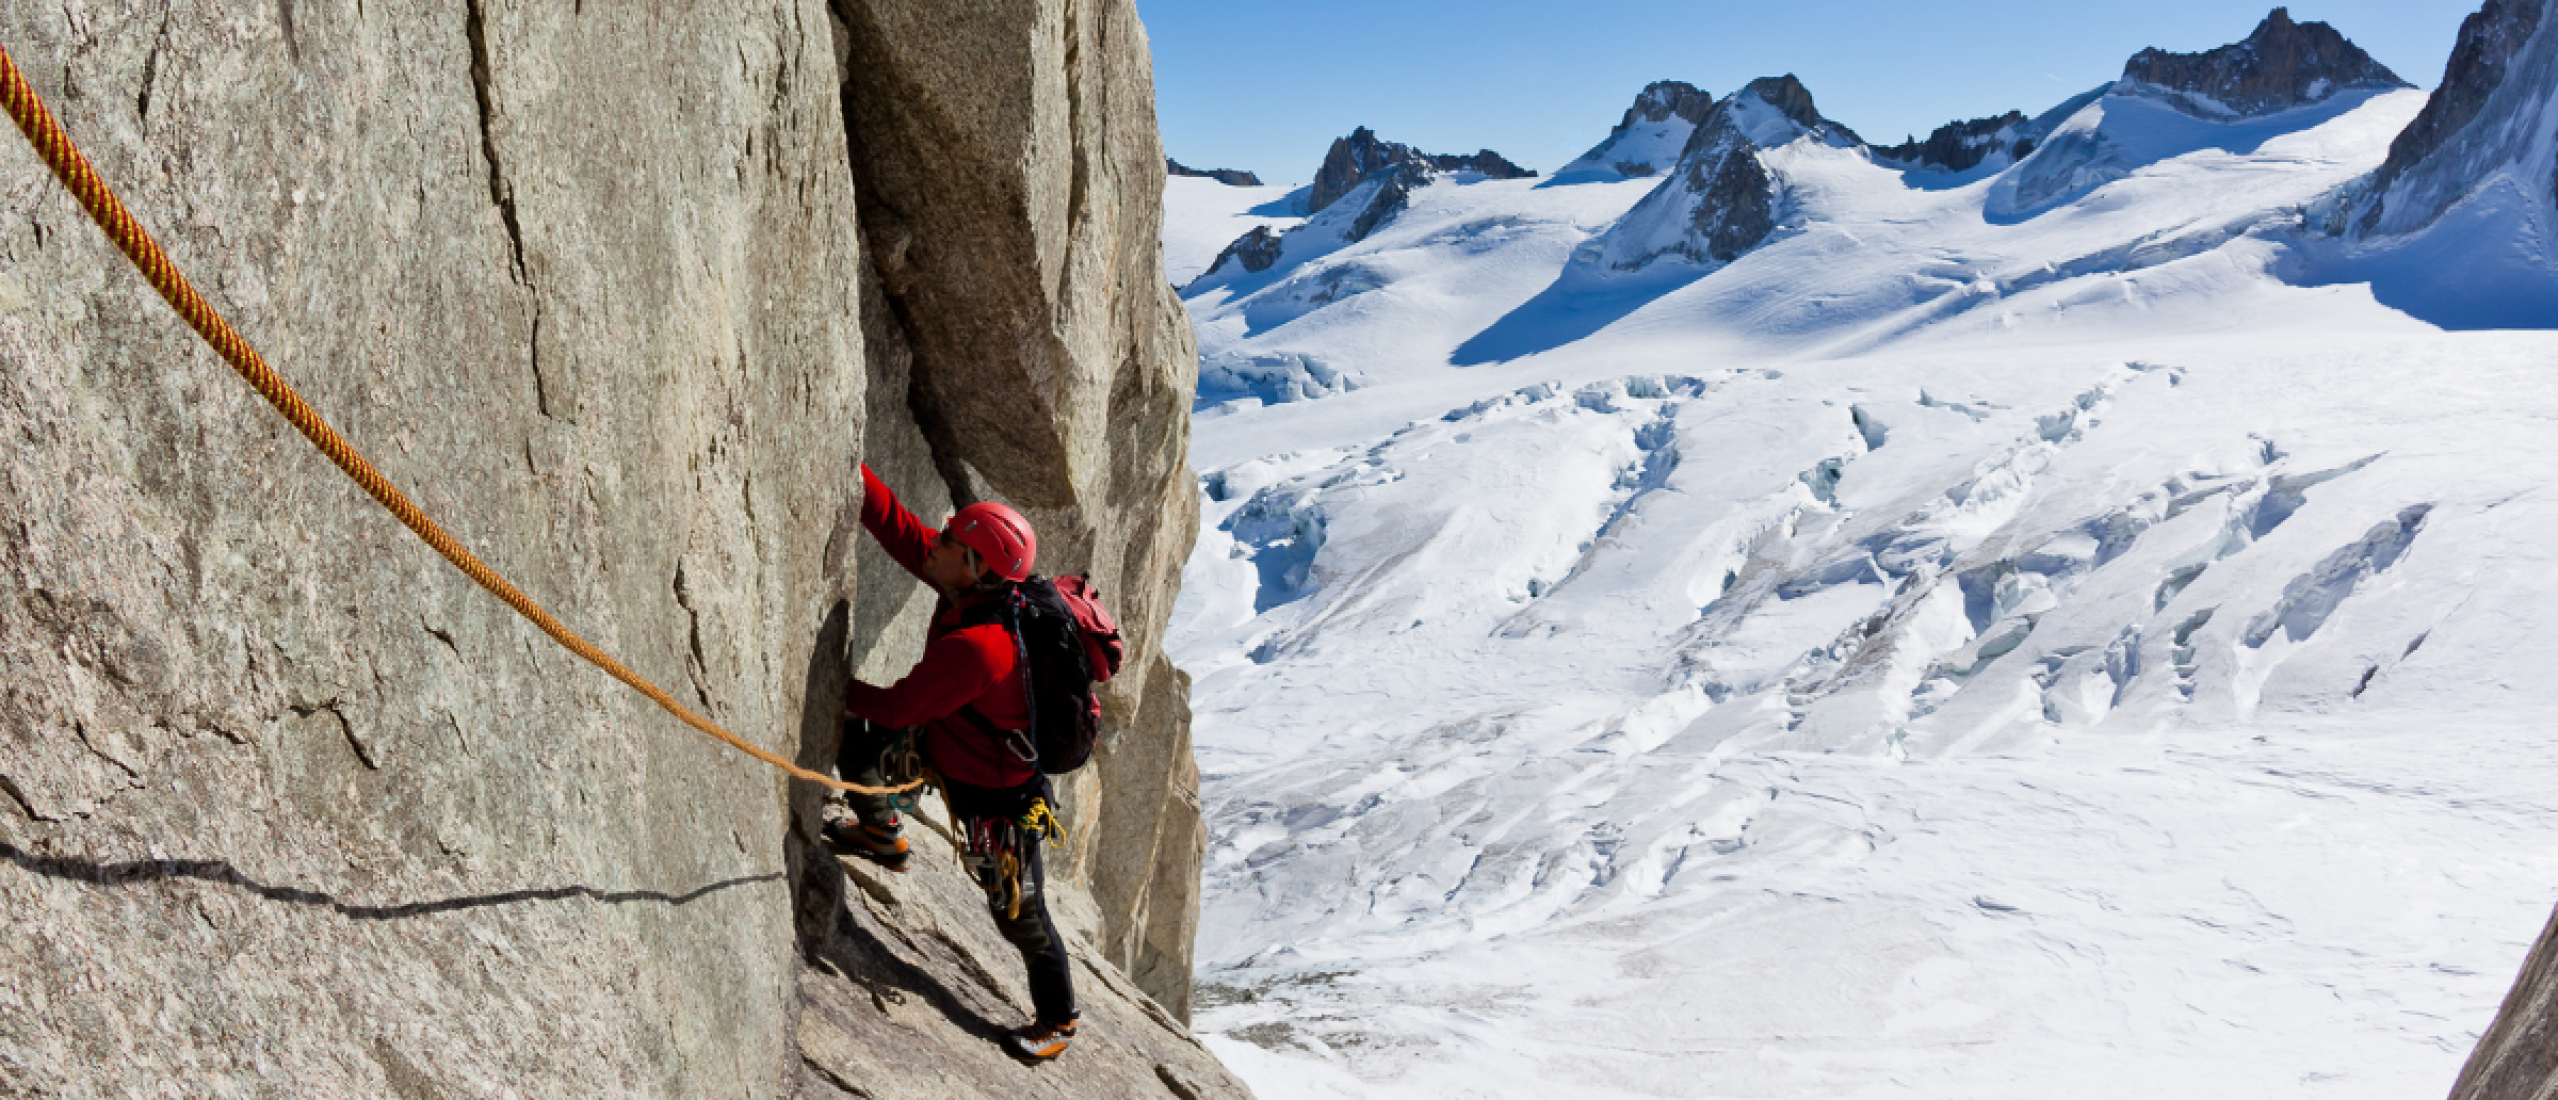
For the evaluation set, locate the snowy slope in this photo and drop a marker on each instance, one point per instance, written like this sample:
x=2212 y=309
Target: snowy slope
x=1648 y=140
x=1202 y=216
x=1969 y=645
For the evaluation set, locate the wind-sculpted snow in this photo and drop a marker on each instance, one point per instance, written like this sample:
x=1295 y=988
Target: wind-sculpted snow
x=1942 y=652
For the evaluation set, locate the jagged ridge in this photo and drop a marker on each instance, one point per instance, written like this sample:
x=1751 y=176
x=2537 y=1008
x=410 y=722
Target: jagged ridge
x=1231 y=177
x=2282 y=65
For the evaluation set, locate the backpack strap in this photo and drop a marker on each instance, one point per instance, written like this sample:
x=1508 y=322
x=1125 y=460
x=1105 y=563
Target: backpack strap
x=1017 y=742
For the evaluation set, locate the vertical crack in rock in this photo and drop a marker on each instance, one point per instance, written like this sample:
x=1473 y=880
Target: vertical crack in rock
x=541 y=389
x=151 y=71
x=698 y=668
x=1079 y=179
x=500 y=191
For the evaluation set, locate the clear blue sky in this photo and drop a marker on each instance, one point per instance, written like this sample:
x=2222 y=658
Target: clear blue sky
x=1266 y=87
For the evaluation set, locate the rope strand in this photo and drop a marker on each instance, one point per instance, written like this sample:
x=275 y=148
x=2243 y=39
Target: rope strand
x=136 y=243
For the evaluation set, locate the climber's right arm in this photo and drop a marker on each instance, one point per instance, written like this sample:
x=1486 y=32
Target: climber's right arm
x=904 y=537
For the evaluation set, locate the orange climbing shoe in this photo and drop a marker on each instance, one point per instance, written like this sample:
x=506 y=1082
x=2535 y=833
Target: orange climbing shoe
x=886 y=847
x=1041 y=1042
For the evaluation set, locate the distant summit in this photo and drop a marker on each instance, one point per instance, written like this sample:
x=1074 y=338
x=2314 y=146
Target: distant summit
x=1361 y=157
x=1363 y=184
x=1721 y=200
x=1963 y=146
x=1651 y=135
x=1231 y=177
x=2281 y=66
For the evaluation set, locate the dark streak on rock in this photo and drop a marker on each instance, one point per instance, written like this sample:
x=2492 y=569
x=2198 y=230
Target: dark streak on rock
x=220 y=872
x=292 y=40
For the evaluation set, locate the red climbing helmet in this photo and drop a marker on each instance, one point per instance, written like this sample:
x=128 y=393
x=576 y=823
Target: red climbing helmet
x=999 y=535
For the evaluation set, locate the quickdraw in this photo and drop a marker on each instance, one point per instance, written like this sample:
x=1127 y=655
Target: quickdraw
x=995 y=846
x=901 y=765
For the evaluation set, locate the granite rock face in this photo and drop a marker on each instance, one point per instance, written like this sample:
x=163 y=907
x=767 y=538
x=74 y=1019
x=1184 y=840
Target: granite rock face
x=2493 y=114
x=289 y=799
x=2281 y=66
x=1231 y=177
x=2517 y=1059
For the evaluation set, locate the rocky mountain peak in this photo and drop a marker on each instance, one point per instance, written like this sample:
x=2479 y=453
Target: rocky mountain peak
x=1722 y=200
x=1772 y=111
x=1352 y=160
x=1355 y=159
x=1231 y=177
x=1662 y=100
x=1963 y=146
x=1655 y=128
x=2284 y=64
x=1788 y=95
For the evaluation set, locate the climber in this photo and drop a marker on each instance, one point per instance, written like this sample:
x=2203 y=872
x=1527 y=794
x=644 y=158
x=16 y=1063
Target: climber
x=964 y=702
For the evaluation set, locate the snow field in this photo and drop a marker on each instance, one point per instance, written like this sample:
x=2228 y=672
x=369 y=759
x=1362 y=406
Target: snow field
x=1943 y=653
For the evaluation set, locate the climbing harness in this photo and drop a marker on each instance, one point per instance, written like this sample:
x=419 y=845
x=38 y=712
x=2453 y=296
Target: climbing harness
x=998 y=849
x=136 y=243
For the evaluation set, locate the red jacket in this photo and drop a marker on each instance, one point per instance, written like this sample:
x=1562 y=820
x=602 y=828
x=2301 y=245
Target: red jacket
x=962 y=666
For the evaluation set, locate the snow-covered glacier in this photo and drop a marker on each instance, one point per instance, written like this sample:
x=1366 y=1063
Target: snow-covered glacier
x=1960 y=647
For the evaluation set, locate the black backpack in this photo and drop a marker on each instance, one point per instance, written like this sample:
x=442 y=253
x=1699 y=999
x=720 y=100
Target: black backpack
x=1066 y=643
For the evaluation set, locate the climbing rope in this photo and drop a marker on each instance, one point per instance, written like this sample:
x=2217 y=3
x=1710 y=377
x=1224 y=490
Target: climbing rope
x=138 y=246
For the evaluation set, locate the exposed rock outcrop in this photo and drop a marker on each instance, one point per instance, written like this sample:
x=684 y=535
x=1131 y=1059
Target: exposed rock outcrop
x=1963 y=146
x=1361 y=157
x=288 y=799
x=1648 y=139
x=2492 y=116
x=2280 y=66
x=1231 y=177
x=1254 y=251
x=1722 y=200
x=2517 y=1059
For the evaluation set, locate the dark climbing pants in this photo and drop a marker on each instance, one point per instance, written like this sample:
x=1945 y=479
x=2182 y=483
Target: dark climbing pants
x=1052 y=982
x=857 y=760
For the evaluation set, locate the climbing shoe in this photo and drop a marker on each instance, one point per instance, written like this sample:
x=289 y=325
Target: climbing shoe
x=1040 y=1042
x=886 y=847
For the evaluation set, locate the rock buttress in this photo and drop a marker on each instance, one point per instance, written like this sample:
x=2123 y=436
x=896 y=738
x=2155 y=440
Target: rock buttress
x=1011 y=184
